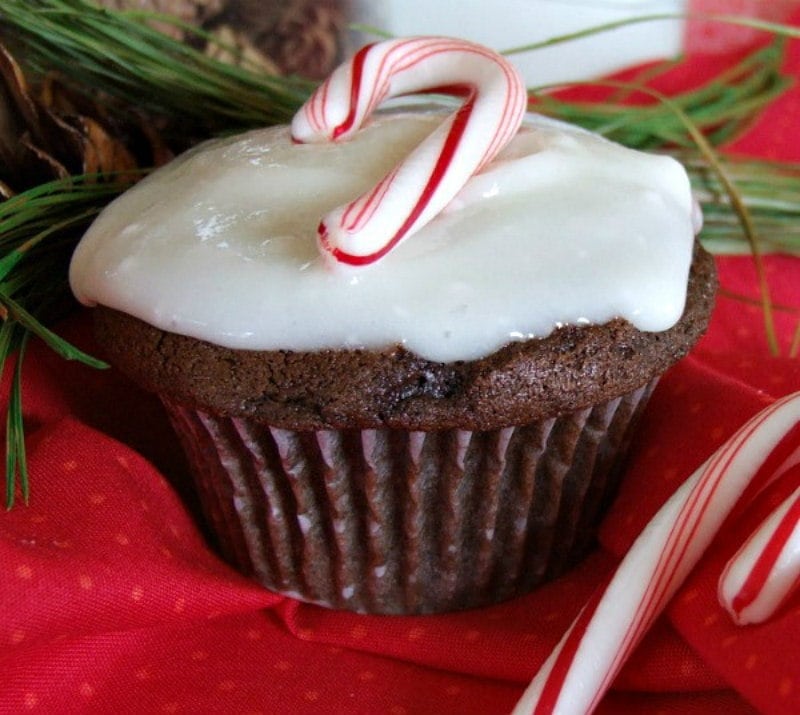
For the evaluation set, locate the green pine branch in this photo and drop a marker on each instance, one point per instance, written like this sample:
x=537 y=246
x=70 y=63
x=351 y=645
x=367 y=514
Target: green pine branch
x=118 y=58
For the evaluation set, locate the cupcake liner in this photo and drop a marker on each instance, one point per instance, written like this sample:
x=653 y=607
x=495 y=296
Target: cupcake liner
x=391 y=521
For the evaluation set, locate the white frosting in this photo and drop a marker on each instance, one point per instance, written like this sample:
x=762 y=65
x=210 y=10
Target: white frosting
x=563 y=227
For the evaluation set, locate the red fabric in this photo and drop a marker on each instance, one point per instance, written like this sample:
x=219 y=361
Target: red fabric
x=113 y=602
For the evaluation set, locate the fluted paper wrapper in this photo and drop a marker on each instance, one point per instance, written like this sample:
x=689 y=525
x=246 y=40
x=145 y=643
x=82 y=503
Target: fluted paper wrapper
x=391 y=521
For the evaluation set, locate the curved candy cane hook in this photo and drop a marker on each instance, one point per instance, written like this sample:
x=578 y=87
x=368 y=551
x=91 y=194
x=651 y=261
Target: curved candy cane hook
x=427 y=180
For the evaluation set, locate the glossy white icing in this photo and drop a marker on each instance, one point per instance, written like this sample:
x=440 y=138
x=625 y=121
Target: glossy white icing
x=563 y=227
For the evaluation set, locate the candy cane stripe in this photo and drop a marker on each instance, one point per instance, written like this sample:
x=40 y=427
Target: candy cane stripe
x=673 y=554
x=355 y=90
x=583 y=665
x=785 y=452
x=494 y=101
x=765 y=571
x=561 y=658
x=357 y=213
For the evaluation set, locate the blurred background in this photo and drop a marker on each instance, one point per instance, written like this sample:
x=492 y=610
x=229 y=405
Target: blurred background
x=309 y=37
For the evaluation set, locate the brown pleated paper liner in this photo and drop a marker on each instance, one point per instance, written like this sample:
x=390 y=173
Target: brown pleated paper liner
x=390 y=521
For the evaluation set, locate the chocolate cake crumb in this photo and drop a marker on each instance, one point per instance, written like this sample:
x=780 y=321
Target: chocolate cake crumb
x=524 y=381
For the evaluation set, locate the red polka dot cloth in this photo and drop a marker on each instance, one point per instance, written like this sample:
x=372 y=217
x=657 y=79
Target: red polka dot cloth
x=113 y=602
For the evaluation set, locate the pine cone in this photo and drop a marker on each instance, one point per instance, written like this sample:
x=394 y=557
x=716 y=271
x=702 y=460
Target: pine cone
x=234 y=47
x=299 y=36
x=284 y=36
x=194 y=12
x=47 y=133
x=305 y=40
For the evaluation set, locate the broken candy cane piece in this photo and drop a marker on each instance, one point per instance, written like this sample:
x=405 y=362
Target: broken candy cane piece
x=421 y=185
x=581 y=668
x=766 y=570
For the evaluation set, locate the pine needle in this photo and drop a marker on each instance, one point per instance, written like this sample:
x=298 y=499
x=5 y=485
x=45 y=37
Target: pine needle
x=16 y=459
x=120 y=54
x=773 y=28
x=721 y=108
x=769 y=190
x=38 y=232
x=120 y=59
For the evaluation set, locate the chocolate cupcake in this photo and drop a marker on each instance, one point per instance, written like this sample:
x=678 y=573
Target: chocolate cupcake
x=435 y=430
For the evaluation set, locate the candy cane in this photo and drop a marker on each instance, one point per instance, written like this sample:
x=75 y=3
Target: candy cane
x=766 y=569
x=583 y=665
x=422 y=184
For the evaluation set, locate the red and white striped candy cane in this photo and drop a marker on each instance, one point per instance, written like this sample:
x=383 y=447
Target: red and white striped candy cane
x=585 y=662
x=422 y=184
x=766 y=570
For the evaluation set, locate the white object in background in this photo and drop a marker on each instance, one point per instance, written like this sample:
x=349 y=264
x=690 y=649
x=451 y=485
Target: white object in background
x=511 y=23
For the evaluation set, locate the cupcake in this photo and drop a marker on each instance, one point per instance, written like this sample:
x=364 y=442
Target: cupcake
x=404 y=350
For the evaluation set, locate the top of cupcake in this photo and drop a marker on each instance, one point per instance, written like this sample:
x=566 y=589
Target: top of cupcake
x=560 y=227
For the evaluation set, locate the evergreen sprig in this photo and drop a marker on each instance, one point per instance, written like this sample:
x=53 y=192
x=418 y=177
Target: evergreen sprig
x=119 y=58
x=121 y=54
x=38 y=232
x=721 y=108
